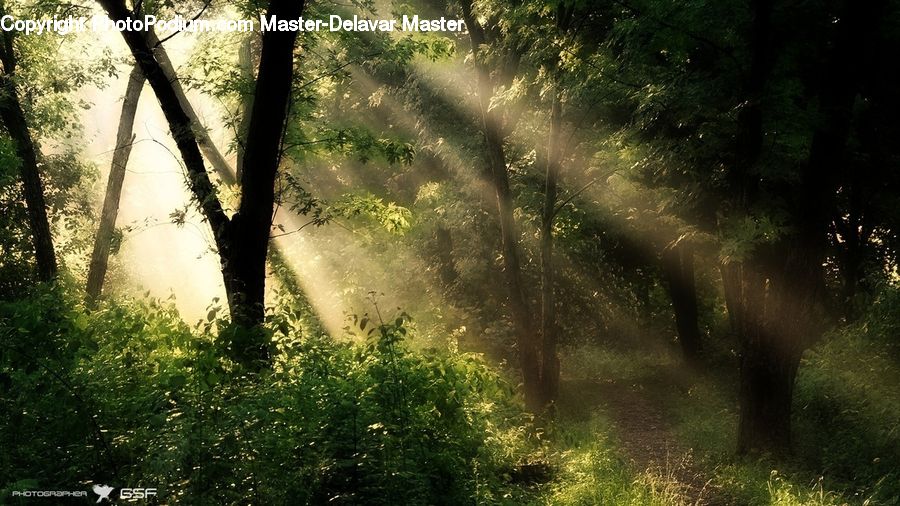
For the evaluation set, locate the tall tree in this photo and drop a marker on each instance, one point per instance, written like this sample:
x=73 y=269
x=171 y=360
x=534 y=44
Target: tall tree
x=124 y=139
x=554 y=160
x=495 y=133
x=784 y=299
x=243 y=239
x=549 y=328
x=17 y=127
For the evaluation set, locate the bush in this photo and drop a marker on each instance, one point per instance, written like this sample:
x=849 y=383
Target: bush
x=847 y=404
x=131 y=396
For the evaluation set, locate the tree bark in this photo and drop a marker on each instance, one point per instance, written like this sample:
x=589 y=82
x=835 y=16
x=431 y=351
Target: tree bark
x=549 y=328
x=766 y=395
x=745 y=280
x=245 y=62
x=443 y=244
x=207 y=146
x=124 y=141
x=17 y=127
x=731 y=290
x=678 y=269
x=494 y=135
x=262 y=155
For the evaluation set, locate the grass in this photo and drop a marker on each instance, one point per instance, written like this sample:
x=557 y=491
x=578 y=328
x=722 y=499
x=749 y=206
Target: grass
x=845 y=431
x=846 y=427
x=591 y=470
x=846 y=414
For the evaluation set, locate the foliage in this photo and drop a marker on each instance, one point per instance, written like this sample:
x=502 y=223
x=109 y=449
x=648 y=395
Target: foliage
x=846 y=410
x=130 y=394
x=382 y=187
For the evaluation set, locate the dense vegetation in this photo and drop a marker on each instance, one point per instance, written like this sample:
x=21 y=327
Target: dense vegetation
x=583 y=252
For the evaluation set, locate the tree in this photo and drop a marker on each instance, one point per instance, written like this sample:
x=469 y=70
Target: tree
x=554 y=160
x=17 y=127
x=243 y=239
x=494 y=131
x=124 y=139
x=788 y=295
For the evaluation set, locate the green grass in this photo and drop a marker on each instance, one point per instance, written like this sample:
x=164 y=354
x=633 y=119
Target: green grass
x=845 y=430
x=846 y=426
x=347 y=416
x=591 y=470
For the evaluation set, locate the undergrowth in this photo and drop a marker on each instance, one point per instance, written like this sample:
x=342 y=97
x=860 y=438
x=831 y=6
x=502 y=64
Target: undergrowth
x=129 y=395
x=846 y=431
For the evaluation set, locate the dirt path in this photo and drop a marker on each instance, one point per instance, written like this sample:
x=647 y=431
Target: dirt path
x=637 y=410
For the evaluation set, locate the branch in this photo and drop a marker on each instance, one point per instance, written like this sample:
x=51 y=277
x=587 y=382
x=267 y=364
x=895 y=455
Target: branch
x=572 y=197
x=308 y=223
x=195 y=18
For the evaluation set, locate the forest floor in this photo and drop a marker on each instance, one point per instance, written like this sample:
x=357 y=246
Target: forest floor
x=637 y=405
x=673 y=430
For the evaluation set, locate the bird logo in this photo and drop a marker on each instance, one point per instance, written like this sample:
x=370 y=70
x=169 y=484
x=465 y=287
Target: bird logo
x=103 y=491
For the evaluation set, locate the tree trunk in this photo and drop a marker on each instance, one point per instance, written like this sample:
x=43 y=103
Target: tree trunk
x=17 y=127
x=262 y=155
x=745 y=280
x=245 y=62
x=766 y=393
x=767 y=369
x=207 y=146
x=792 y=282
x=180 y=126
x=124 y=140
x=520 y=312
x=678 y=269
x=492 y=126
x=549 y=328
x=731 y=290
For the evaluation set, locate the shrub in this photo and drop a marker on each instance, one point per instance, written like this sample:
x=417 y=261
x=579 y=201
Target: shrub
x=129 y=395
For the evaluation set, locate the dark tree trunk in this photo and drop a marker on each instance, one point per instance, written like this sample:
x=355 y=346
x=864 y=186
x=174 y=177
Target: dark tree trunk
x=492 y=125
x=124 y=140
x=262 y=154
x=678 y=269
x=731 y=288
x=549 y=328
x=766 y=394
x=745 y=280
x=17 y=127
x=767 y=370
x=207 y=146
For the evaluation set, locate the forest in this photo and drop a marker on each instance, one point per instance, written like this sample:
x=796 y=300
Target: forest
x=532 y=252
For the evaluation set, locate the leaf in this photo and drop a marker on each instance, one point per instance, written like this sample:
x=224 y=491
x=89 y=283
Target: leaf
x=177 y=381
